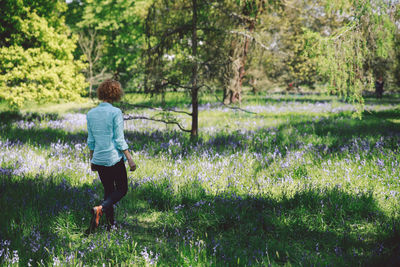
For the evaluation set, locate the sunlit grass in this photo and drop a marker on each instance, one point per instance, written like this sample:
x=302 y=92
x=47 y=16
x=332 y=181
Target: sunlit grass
x=298 y=182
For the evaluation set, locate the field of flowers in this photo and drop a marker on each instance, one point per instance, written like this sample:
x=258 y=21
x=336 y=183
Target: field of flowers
x=291 y=181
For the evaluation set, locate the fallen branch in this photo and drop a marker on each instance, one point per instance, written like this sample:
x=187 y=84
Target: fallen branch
x=131 y=117
x=241 y=109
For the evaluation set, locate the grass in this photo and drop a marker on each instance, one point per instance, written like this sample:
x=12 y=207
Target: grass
x=299 y=182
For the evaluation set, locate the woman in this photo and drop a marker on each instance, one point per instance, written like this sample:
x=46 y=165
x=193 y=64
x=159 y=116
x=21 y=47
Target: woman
x=108 y=150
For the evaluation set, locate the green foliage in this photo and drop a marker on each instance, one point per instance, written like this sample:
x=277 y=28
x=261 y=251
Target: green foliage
x=39 y=65
x=298 y=68
x=169 y=55
x=286 y=58
x=360 y=51
x=119 y=24
x=12 y=12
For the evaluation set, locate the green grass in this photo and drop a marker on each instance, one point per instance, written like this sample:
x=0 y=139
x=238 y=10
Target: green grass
x=300 y=182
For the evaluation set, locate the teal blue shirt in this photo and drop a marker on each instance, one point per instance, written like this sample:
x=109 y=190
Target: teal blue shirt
x=105 y=126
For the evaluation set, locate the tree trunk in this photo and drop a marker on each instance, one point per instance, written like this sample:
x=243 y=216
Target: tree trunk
x=253 y=83
x=242 y=70
x=90 y=77
x=232 y=73
x=91 y=48
x=233 y=91
x=195 y=89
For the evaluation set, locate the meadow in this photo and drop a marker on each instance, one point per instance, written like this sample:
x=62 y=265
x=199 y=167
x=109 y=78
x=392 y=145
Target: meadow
x=287 y=180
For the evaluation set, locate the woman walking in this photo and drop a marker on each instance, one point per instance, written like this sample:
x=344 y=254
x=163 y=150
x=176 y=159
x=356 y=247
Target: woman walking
x=108 y=150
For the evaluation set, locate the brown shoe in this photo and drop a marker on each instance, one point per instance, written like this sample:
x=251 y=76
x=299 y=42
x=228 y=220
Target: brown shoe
x=96 y=215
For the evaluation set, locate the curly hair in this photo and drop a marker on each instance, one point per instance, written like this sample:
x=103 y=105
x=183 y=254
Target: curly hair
x=110 y=90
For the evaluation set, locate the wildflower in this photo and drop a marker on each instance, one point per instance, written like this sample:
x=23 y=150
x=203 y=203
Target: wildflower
x=338 y=251
x=177 y=208
x=148 y=256
x=200 y=203
x=15 y=258
x=380 y=162
x=56 y=261
x=70 y=258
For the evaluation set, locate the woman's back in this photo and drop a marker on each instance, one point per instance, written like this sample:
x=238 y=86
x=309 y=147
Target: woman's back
x=105 y=134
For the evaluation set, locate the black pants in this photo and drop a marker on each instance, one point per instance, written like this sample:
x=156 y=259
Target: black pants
x=115 y=183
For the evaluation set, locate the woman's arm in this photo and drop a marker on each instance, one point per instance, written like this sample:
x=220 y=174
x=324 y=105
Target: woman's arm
x=92 y=167
x=131 y=163
x=120 y=139
x=118 y=128
x=91 y=144
x=90 y=139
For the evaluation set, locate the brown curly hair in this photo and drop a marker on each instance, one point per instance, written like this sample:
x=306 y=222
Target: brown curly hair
x=110 y=90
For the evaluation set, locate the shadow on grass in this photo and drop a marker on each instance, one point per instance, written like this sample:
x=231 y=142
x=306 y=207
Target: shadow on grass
x=30 y=208
x=332 y=134
x=329 y=135
x=385 y=100
x=41 y=136
x=341 y=130
x=35 y=136
x=7 y=117
x=313 y=98
x=314 y=226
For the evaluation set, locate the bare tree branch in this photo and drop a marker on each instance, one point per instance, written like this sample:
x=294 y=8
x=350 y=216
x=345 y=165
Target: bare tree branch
x=159 y=109
x=177 y=85
x=131 y=117
x=168 y=33
x=246 y=34
x=339 y=35
x=242 y=18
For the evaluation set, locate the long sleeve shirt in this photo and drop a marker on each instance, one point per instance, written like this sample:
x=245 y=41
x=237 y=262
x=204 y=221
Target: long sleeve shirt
x=105 y=126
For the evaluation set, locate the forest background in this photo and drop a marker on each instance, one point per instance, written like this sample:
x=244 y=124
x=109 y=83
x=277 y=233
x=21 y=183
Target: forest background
x=52 y=50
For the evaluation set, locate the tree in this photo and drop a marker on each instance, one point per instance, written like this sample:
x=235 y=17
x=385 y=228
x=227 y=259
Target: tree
x=11 y=13
x=396 y=67
x=297 y=67
x=351 y=56
x=36 y=60
x=91 y=46
x=174 y=32
x=244 y=17
x=281 y=45
x=112 y=33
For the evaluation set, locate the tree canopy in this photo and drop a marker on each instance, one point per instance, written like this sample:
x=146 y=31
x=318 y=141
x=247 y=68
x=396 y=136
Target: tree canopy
x=36 y=56
x=219 y=46
x=359 y=51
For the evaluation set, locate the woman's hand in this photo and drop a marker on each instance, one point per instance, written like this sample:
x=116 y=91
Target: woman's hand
x=92 y=167
x=132 y=165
